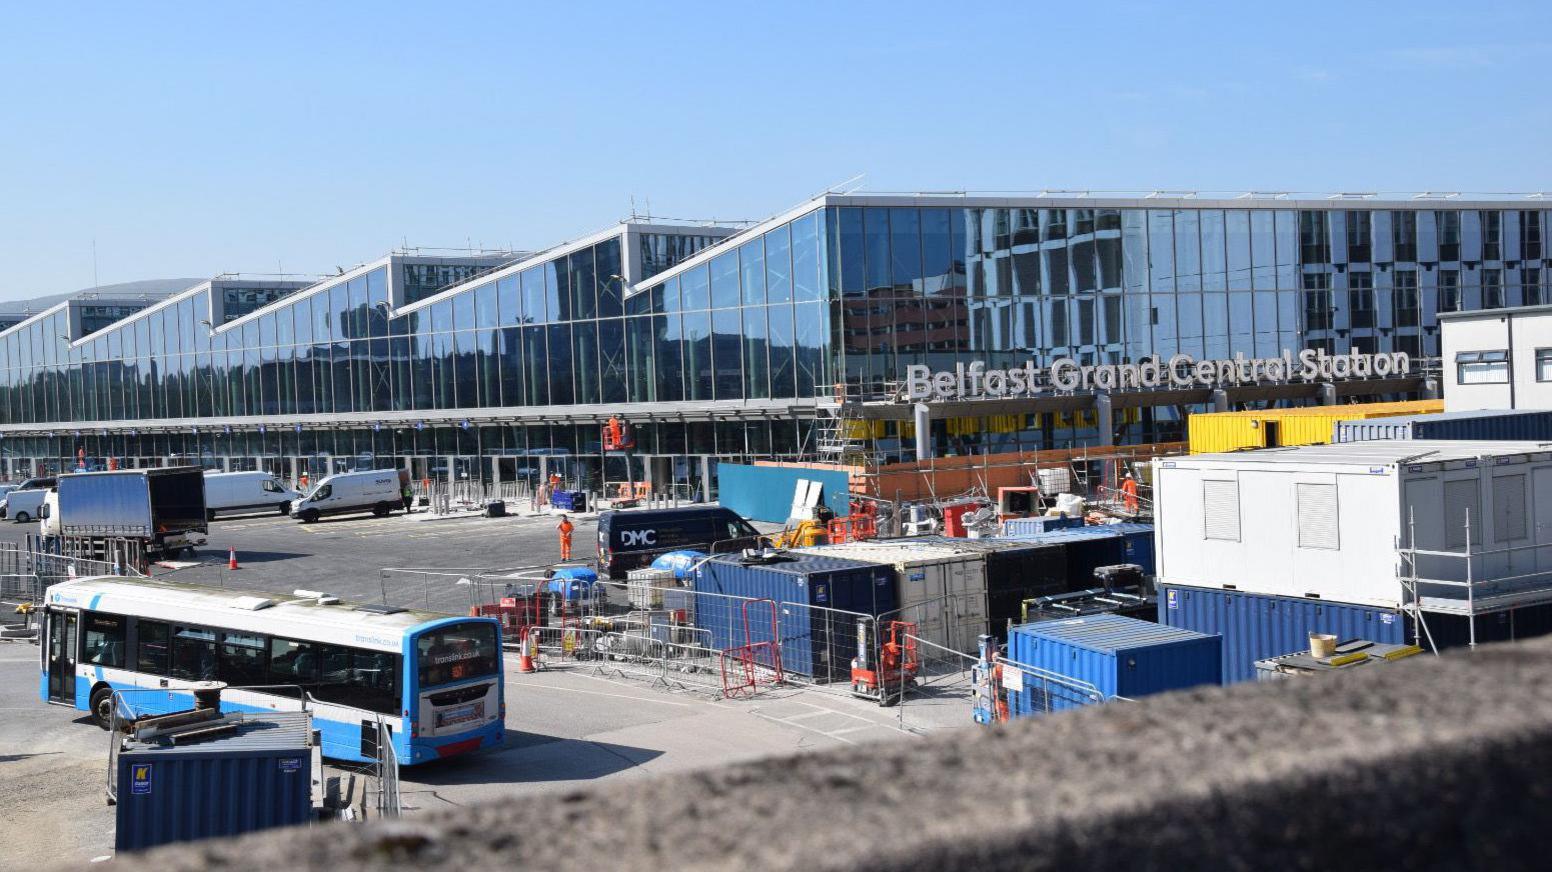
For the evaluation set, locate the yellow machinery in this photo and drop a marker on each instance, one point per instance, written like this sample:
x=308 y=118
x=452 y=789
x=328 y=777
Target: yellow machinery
x=1271 y=428
x=805 y=534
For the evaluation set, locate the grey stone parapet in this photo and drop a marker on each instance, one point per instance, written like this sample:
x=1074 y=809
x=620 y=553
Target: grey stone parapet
x=1423 y=764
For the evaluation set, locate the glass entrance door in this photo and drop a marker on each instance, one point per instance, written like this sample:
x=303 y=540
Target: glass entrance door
x=61 y=656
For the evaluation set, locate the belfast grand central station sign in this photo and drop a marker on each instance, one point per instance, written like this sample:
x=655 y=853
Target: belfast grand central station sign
x=1178 y=372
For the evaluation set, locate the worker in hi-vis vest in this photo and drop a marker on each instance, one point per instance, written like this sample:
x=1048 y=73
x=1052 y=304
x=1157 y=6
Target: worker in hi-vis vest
x=564 y=528
x=1129 y=492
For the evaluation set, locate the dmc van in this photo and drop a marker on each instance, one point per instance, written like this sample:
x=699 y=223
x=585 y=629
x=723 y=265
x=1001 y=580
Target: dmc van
x=379 y=492
x=22 y=505
x=246 y=492
x=631 y=539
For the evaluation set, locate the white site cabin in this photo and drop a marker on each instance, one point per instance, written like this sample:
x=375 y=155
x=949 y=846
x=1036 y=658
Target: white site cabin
x=1332 y=522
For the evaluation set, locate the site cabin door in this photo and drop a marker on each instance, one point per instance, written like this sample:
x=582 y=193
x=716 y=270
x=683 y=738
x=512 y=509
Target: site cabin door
x=62 y=626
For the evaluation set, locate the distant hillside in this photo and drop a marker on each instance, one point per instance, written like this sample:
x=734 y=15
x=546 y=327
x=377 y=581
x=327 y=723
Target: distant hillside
x=153 y=288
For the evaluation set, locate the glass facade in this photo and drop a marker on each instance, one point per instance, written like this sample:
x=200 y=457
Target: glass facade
x=852 y=291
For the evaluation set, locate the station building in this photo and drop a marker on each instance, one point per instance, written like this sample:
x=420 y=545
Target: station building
x=754 y=343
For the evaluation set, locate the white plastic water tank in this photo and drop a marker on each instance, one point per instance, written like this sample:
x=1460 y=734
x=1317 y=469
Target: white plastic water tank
x=1054 y=480
x=645 y=587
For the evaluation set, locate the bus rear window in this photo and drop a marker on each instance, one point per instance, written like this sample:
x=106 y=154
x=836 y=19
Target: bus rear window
x=457 y=653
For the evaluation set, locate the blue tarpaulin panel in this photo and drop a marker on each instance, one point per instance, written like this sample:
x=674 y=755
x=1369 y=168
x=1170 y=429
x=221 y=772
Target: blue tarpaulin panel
x=764 y=493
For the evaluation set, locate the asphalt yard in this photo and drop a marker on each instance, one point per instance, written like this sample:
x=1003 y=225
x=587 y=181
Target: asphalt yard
x=572 y=724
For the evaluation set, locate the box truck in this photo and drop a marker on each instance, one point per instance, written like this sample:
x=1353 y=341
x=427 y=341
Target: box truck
x=164 y=508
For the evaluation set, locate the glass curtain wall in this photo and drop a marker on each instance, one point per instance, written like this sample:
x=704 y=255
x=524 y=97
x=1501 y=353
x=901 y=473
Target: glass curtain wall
x=841 y=293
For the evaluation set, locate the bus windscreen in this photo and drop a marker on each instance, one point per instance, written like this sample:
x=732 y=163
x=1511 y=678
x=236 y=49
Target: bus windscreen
x=457 y=653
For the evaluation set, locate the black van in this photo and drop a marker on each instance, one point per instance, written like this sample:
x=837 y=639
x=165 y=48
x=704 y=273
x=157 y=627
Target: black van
x=631 y=539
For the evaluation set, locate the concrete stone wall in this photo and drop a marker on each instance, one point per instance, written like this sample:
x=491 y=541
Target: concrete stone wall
x=1422 y=764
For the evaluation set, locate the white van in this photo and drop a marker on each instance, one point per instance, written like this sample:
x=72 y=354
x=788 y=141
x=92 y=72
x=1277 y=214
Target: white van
x=246 y=492
x=48 y=514
x=22 y=505
x=379 y=492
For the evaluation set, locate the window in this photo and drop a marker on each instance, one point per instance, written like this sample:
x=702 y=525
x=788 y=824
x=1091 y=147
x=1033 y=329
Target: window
x=1482 y=368
x=293 y=662
x=458 y=653
x=270 y=486
x=1359 y=228
x=194 y=654
x=1492 y=289
x=1492 y=235
x=151 y=647
x=1361 y=299
x=1544 y=364
x=1220 y=510
x=1449 y=290
x=324 y=492
x=358 y=678
x=1449 y=235
x=1317 y=516
x=103 y=638
x=242 y=660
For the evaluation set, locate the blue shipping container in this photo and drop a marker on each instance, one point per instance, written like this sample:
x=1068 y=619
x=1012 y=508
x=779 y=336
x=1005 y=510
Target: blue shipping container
x=1118 y=656
x=258 y=778
x=815 y=600
x=1257 y=626
x=1532 y=425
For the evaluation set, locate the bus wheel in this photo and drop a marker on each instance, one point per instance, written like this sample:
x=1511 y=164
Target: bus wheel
x=22 y=517
x=380 y=510
x=309 y=516
x=102 y=706
x=285 y=508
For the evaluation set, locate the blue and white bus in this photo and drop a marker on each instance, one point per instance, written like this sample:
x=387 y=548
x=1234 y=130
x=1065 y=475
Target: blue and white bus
x=434 y=680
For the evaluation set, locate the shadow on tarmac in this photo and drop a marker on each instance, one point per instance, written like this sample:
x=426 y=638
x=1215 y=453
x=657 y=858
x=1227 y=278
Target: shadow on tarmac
x=560 y=760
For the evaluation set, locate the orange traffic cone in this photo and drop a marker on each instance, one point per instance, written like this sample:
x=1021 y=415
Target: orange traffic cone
x=231 y=558
x=525 y=660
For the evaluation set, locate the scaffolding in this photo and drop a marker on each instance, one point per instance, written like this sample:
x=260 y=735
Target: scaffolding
x=1471 y=583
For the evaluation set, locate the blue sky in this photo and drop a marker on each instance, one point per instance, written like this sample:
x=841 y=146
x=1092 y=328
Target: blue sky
x=190 y=139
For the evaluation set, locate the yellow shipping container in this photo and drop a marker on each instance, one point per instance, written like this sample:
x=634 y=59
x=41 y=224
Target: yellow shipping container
x=1269 y=428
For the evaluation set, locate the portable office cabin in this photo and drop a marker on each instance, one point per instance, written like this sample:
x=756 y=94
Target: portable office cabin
x=1531 y=425
x=1210 y=432
x=1331 y=521
x=817 y=600
x=941 y=589
x=1115 y=655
